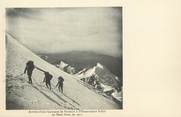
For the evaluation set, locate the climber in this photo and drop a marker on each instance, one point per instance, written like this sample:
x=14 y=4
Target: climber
x=60 y=83
x=47 y=79
x=29 y=68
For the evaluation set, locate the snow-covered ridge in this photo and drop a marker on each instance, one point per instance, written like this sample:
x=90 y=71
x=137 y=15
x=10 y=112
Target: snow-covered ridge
x=89 y=72
x=101 y=72
x=102 y=80
x=100 y=66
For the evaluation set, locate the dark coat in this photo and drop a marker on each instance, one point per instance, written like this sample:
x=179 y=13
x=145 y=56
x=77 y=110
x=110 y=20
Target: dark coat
x=48 y=77
x=29 y=67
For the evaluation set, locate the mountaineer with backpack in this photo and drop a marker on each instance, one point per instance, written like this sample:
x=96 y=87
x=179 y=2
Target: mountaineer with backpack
x=60 y=83
x=47 y=79
x=29 y=69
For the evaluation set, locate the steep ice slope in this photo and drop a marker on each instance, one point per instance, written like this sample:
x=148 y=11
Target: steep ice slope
x=21 y=95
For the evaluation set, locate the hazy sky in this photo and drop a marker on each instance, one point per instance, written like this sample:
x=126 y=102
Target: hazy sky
x=54 y=30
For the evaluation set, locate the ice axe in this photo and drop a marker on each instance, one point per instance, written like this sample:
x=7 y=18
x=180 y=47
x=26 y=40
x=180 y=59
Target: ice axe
x=40 y=69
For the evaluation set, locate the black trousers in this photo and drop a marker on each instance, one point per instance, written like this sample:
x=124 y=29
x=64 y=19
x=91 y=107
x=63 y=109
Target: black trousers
x=29 y=73
x=48 y=84
x=60 y=86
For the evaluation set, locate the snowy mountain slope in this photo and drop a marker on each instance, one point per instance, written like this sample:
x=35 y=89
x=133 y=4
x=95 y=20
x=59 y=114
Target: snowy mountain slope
x=21 y=95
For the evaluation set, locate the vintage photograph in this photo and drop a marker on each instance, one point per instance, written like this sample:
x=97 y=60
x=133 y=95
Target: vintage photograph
x=64 y=58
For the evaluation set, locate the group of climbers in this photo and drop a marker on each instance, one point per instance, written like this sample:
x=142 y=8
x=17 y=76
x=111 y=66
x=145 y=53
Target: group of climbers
x=47 y=79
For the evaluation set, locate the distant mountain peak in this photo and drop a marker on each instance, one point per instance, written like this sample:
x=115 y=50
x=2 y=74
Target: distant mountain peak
x=100 y=66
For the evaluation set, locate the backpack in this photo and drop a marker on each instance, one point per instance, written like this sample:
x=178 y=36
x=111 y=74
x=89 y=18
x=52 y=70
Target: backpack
x=48 y=76
x=60 y=79
x=30 y=64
